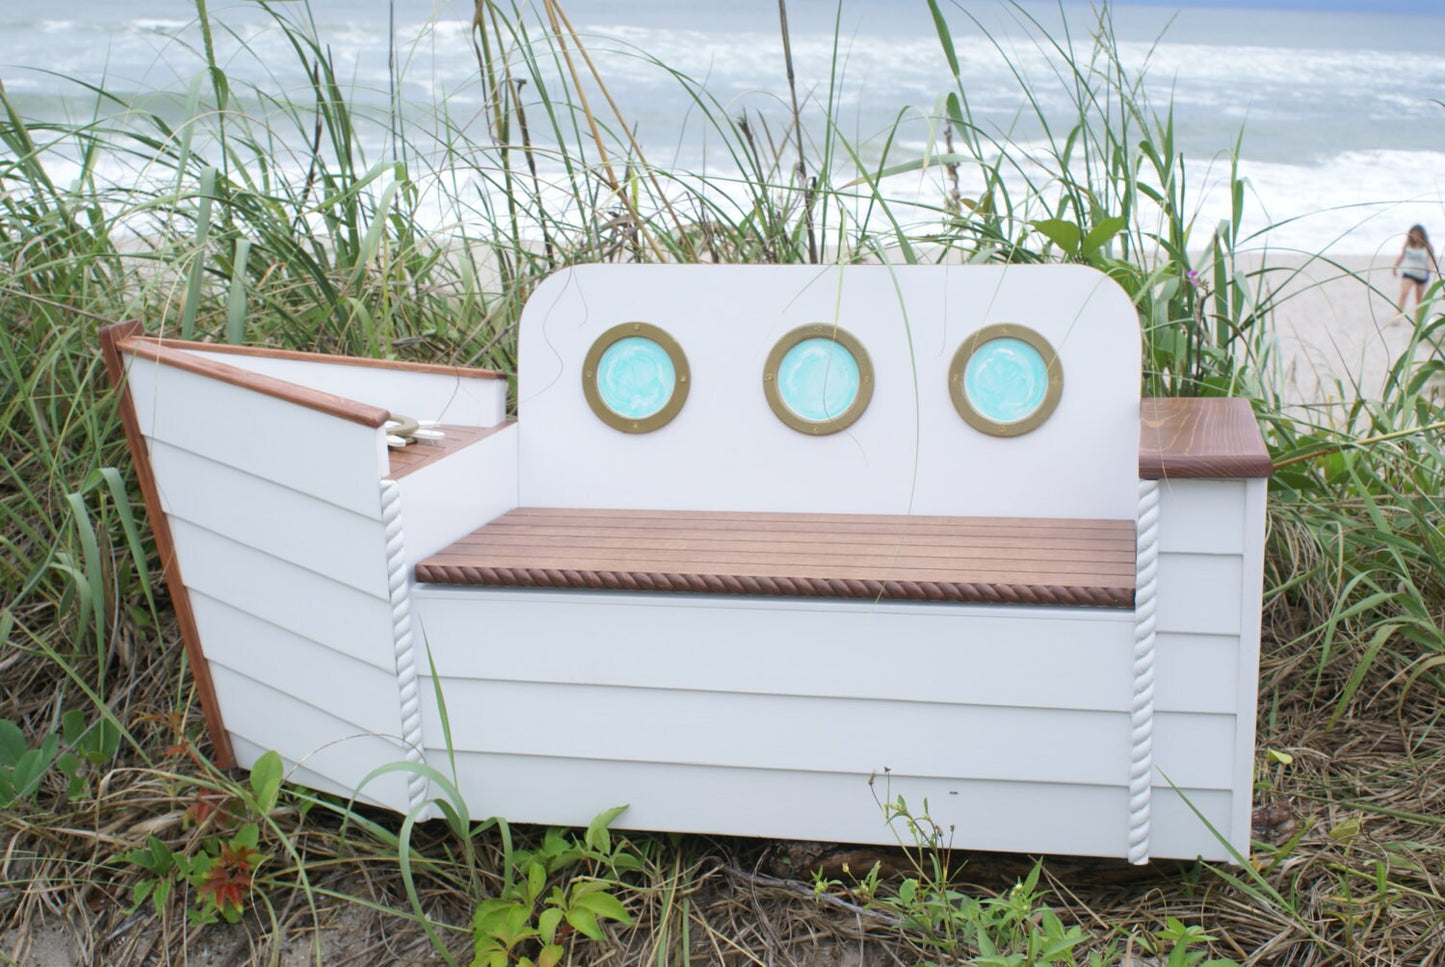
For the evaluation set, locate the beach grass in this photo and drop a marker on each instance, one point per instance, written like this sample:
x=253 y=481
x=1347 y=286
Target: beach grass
x=248 y=216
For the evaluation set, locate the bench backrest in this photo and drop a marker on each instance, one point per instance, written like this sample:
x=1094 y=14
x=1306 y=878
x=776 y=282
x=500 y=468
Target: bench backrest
x=909 y=452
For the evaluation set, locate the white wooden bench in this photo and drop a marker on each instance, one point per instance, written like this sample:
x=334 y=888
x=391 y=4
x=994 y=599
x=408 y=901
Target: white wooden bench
x=723 y=614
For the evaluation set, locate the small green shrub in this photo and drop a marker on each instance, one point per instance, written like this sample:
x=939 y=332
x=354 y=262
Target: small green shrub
x=543 y=901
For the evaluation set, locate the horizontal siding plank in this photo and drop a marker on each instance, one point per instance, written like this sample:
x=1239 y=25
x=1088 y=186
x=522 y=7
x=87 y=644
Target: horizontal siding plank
x=307 y=736
x=276 y=520
x=1177 y=833
x=1196 y=673
x=1194 y=750
x=783 y=732
x=1016 y=817
x=361 y=694
x=282 y=594
x=324 y=456
x=1201 y=516
x=844 y=649
x=1199 y=594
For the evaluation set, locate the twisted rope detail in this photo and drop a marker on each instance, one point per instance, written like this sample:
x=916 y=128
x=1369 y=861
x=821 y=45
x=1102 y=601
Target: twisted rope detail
x=399 y=590
x=951 y=591
x=1141 y=708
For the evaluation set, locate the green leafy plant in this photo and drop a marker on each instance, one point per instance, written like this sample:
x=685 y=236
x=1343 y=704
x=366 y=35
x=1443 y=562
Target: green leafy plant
x=221 y=874
x=222 y=871
x=91 y=746
x=1013 y=929
x=22 y=768
x=542 y=902
x=1174 y=946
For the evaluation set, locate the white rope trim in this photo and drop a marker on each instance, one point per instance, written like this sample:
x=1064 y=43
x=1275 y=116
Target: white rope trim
x=409 y=690
x=1141 y=709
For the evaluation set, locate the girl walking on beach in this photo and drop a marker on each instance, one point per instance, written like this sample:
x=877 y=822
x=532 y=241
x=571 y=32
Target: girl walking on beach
x=1418 y=258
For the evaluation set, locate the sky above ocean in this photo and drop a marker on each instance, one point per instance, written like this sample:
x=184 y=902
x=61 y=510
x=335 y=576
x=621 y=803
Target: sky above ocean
x=1336 y=104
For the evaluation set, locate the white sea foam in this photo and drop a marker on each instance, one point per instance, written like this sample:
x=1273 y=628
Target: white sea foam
x=1338 y=110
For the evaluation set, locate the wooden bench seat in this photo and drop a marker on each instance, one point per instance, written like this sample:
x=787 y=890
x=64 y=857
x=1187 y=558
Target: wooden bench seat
x=959 y=559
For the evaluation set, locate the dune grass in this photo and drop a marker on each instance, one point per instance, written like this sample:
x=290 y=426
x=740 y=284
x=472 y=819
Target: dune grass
x=257 y=217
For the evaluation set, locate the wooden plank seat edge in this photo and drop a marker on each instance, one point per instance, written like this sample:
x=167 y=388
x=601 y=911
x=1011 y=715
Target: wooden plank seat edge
x=880 y=557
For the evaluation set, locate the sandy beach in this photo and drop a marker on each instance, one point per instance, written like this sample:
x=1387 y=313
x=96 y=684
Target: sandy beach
x=1337 y=331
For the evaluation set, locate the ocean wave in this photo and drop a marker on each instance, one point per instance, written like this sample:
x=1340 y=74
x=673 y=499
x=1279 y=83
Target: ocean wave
x=159 y=25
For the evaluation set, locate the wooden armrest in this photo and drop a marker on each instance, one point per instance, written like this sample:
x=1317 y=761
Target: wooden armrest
x=412 y=458
x=1200 y=438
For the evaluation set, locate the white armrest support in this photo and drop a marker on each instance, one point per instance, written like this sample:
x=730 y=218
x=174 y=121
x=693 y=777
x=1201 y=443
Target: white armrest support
x=448 y=499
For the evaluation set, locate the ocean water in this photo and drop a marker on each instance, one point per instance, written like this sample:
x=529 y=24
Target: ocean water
x=1338 y=114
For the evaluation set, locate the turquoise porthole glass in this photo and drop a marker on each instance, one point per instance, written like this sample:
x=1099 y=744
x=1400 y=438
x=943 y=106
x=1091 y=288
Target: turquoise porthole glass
x=818 y=379
x=635 y=377
x=1005 y=380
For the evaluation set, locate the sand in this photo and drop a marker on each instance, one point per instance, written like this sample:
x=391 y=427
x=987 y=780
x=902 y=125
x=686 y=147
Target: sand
x=1337 y=332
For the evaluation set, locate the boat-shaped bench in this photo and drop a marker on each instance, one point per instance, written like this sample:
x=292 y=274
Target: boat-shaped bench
x=765 y=546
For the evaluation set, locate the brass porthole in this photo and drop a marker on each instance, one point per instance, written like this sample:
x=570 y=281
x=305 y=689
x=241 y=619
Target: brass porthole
x=635 y=377
x=1005 y=380
x=818 y=379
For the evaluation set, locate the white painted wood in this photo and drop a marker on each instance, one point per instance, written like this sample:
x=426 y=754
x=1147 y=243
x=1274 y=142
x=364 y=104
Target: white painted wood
x=283 y=523
x=910 y=452
x=358 y=693
x=781 y=732
x=1197 y=673
x=464 y=400
x=448 y=499
x=303 y=735
x=1194 y=750
x=798 y=646
x=325 y=456
x=1202 y=516
x=1198 y=593
x=1019 y=817
x=818 y=734
x=1177 y=833
x=307 y=604
x=717 y=713
x=1251 y=597
x=1004 y=816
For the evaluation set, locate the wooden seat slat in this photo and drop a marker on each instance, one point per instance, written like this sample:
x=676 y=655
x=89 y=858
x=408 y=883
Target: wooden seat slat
x=908 y=558
x=934 y=549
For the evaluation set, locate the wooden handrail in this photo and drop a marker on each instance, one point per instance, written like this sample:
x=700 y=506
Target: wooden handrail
x=169 y=353
x=399 y=365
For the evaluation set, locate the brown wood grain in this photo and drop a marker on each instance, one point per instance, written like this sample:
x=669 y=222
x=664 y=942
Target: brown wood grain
x=111 y=339
x=400 y=365
x=831 y=555
x=169 y=355
x=413 y=457
x=1200 y=438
